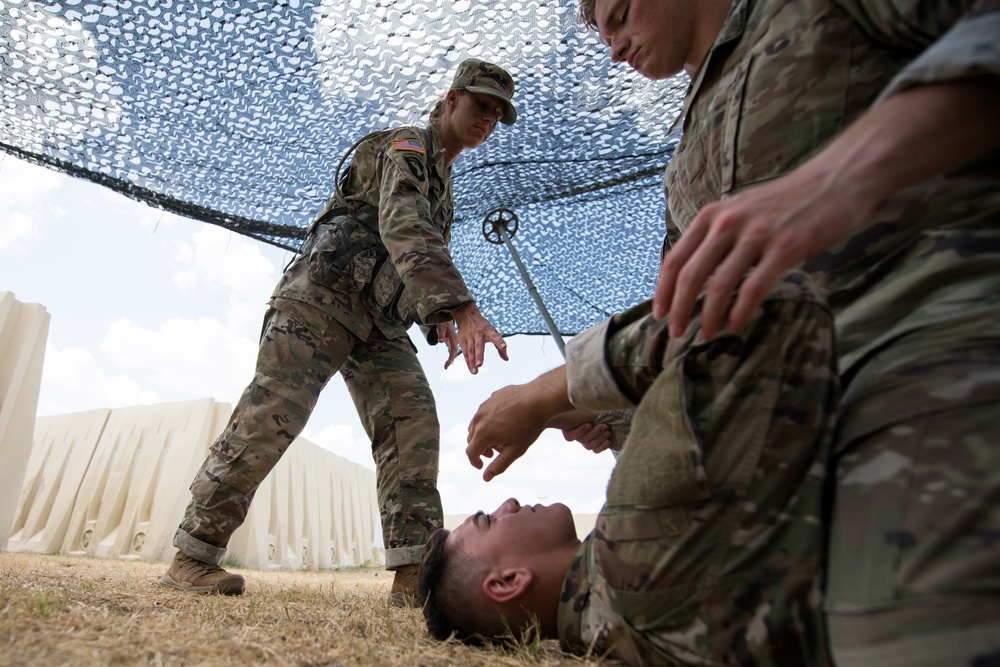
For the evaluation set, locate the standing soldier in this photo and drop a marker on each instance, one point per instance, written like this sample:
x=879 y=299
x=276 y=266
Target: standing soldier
x=376 y=260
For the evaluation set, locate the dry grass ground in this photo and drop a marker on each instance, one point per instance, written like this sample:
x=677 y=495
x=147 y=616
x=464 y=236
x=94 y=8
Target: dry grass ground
x=64 y=610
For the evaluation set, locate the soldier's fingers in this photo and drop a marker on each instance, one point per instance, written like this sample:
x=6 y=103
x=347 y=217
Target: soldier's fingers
x=722 y=286
x=475 y=455
x=480 y=350
x=574 y=434
x=602 y=448
x=598 y=445
x=676 y=258
x=595 y=437
x=452 y=350
x=756 y=287
x=500 y=344
x=499 y=465
x=470 y=359
x=692 y=279
x=456 y=349
x=469 y=351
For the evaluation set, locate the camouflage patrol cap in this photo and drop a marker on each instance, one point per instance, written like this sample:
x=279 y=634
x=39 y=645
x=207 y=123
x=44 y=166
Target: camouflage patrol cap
x=477 y=76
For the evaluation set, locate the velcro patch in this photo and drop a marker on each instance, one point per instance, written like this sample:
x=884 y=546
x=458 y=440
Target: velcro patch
x=414 y=145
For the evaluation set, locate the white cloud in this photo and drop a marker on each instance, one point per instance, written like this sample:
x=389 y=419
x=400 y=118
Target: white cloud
x=73 y=381
x=201 y=358
x=345 y=441
x=24 y=200
x=217 y=259
x=16 y=229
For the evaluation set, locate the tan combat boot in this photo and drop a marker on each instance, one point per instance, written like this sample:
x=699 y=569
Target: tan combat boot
x=188 y=574
x=404 y=592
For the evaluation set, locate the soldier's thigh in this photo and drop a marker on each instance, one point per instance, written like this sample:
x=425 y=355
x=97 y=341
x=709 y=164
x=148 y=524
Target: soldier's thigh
x=914 y=568
x=395 y=403
x=298 y=353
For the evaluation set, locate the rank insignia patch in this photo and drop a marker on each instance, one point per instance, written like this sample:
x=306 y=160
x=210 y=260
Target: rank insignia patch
x=408 y=145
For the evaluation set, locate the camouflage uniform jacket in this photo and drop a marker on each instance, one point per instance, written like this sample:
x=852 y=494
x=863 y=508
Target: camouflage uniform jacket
x=709 y=550
x=405 y=177
x=785 y=77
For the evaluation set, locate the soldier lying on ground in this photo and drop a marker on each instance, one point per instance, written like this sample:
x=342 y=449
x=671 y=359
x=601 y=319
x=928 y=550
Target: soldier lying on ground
x=709 y=549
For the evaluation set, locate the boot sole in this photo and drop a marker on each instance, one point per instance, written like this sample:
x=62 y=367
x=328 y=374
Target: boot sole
x=223 y=587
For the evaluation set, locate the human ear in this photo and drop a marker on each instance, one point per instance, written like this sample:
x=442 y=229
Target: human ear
x=506 y=585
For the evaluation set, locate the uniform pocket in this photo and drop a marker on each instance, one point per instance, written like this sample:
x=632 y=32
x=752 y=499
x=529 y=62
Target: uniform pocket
x=323 y=253
x=291 y=337
x=390 y=296
x=344 y=249
x=661 y=462
x=215 y=469
x=787 y=99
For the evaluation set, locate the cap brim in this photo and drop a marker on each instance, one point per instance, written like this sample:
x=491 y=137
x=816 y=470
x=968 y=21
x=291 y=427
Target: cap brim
x=509 y=112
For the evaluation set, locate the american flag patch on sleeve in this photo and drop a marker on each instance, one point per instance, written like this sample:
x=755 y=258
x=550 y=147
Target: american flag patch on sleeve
x=408 y=145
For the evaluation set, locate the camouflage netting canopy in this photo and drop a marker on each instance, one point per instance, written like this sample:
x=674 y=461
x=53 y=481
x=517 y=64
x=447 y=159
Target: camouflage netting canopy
x=235 y=113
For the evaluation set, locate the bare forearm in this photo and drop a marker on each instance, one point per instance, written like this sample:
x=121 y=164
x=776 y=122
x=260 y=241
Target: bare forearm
x=912 y=136
x=551 y=393
x=571 y=419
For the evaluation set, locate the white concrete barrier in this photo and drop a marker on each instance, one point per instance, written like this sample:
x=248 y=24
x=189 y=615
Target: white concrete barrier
x=60 y=456
x=315 y=510
x=135 y=488
x=114 y=483
x=24 y=329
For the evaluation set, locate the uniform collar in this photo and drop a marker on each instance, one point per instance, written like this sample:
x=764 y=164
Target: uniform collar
x=732 y=29
x=435 y=152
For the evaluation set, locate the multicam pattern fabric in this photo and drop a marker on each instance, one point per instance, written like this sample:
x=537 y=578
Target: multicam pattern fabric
x=411 y=190
x=301 y=348
x=330 y=315
x=912 y=581
x=709 y=550
x=773 y=52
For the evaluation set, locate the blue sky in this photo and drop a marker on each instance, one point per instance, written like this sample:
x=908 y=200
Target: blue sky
x=148 y=307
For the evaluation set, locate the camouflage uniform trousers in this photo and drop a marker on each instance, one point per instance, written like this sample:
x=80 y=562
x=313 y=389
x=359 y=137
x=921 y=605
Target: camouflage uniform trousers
x=301 y=348
x=914 y=569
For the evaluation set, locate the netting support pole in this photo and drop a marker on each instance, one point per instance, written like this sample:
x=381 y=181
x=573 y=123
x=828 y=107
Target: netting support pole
x=499 y=220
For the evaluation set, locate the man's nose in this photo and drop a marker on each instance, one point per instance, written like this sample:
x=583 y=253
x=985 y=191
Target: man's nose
x=618 y=49
x=509 y=506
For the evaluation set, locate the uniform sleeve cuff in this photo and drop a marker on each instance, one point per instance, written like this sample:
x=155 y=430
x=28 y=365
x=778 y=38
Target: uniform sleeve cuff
x=590 y=382
x=969 y=49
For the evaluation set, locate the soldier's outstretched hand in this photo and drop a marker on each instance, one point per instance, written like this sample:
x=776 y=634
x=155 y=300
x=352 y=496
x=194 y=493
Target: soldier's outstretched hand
x=510 y=420
x=474 y=332
x=505 y=426
x=446 y=334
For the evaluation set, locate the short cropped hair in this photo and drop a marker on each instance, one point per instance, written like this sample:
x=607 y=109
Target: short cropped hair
x=588 y=13
x=453 y=600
